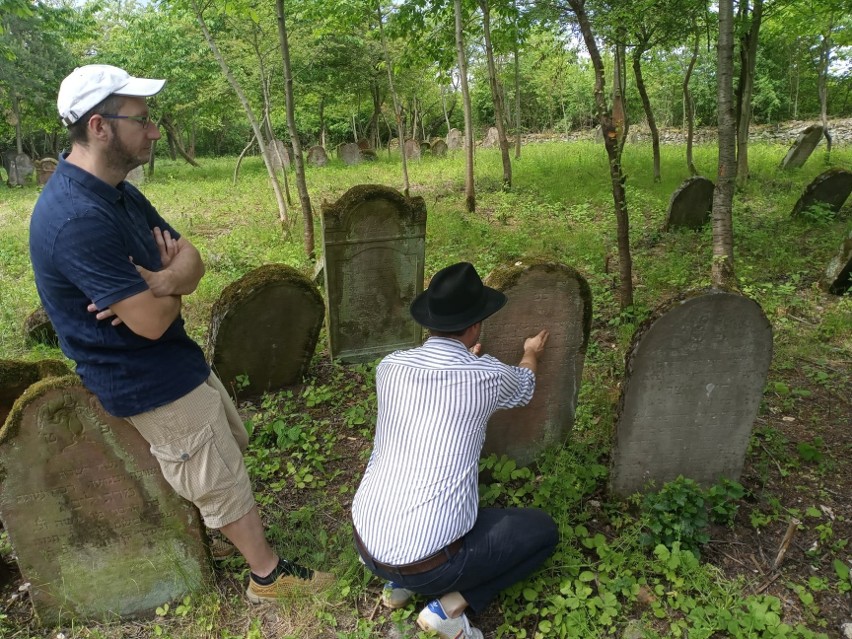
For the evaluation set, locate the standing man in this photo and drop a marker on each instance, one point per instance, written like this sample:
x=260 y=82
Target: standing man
x=111 y=274
x=416 y=513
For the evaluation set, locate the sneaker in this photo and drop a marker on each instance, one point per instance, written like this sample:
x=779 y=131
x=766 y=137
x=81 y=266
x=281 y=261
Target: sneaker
x=433 y=619
x=301 y=581
x=221 y=549
x=395 y=596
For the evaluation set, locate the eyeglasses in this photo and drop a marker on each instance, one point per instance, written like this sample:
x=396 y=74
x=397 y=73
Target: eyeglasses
x=144 y=120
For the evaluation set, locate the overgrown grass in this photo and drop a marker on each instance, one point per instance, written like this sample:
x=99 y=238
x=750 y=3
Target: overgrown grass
x=309 y=444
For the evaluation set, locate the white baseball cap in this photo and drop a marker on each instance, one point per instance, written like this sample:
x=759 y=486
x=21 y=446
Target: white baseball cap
x=88 y=86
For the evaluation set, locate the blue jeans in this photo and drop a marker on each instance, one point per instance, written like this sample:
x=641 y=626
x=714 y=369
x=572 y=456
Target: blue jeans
x=504 y=547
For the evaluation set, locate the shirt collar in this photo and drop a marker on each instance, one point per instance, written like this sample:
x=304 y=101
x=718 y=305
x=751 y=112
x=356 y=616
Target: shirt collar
x=445 y=342
x=94 y=184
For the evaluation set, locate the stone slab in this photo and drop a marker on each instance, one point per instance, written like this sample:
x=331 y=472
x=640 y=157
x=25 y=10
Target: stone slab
x=374 y=242
x=19 y=168
x=695 y=374
x=349 y=153
x=830 y=189
x=691 y=205
x=97 y=531
x=455 y=140
x=439 y=148
x=17 y=376
x=412 y=150
x=317 y=156
x=802 y=148
x=44 y=169
x=540 y=295
x=265 y=325
x=279 y=155
x=838 y=275
x=491 y=139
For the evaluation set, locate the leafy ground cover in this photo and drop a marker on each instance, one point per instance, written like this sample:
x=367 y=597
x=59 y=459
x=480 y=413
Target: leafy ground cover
x=683 y=561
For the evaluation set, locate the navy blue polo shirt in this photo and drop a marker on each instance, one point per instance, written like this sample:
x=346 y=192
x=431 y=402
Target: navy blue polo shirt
x=83 y=233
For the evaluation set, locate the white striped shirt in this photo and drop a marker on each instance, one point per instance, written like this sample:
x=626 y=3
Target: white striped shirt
x=420 y=490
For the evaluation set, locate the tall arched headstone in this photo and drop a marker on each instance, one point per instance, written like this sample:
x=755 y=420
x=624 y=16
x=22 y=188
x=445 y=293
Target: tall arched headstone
x=830 y=189
x=97 y=531
x=265 y=326
x=838 y=275
x=540 y=295
x=695 y=374
x=317 y=156
x=691 y=205
x=802 y=147
x=374 y=242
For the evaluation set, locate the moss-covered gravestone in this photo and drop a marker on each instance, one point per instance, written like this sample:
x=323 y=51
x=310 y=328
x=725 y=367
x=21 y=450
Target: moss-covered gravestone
x=374 y=240
x=540 y=295
x=695 y=374
x=17 y=376
x=838 y=275
x=829 y=189
x=97 y=531
x=439 y=148
x=317 y=156
x=691 y=205
x=802 y=147
x=265 y=326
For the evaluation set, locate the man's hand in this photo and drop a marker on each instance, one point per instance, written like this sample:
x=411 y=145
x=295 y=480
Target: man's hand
x=167 y=245
x=476 y=349
x=104 y=314
x=160 y=282
x=533 y=348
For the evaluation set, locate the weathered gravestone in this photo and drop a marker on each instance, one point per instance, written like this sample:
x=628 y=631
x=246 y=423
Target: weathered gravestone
x=18 y=167
x=17 y=376
x=393 y=144
x=838 y=275
x=491 y=138
x=279 y=155
x=439 y=148
x=425 y=148
x=44 y=169
x=265 y=325
x=802 y=147
x=830 y=189
x=695 y=374
x=455 y=139
x=374 y=244
x=97 y=531
x=540 y=295
x=136 y=176
x=39 y=329
x=349 y=153
x=412 y=150
x=691 y=205
x=317 y=156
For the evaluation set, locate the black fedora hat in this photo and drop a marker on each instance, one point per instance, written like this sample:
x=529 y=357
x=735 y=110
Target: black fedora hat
x=456 y=298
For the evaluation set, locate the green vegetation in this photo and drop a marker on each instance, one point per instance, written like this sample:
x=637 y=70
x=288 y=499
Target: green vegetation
x=631 y=567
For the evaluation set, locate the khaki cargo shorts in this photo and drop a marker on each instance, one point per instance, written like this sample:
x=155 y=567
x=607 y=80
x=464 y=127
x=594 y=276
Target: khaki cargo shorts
x=199 y=441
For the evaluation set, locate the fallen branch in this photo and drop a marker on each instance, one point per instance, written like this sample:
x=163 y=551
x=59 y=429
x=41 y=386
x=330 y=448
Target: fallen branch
x=785 y=543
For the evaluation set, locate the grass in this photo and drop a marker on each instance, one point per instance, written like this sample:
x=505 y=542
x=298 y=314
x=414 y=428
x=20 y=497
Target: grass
x=309 y=444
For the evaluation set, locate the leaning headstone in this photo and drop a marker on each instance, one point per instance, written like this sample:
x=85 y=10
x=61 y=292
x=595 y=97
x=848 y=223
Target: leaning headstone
x=279 y=155
x=39 y=329
x=491 y=138
x=374 y=242
x=830 y=189
x=838 y=275
x=317 y=156
x=17 y=376
x=691 y=204
x=18 y=167
x=349 y=153
x=439 y=148
x=97 y=531
x=412 y=150
x=540 y=295
x=265 y=326
x=455 y=140
x=802 y=147
x=44 y=169
x=695 y=375
x=136 y=176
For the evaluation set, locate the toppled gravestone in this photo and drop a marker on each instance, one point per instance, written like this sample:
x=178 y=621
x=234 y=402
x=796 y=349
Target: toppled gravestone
x=691 y=204
x=802 y=147
x=830 y=190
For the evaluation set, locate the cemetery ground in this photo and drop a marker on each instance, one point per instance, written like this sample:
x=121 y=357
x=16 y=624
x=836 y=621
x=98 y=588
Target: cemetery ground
x=680 y=562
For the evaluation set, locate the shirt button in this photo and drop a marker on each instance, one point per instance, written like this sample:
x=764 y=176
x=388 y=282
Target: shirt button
x=184 y=457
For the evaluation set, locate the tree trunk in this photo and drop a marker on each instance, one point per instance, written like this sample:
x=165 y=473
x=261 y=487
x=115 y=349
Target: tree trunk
x=517 y=89
x=396 y=106
x=322 y=121
x=172 y=150
x=168 y=125
x=722 y=274
x=611 y=142
x=373 y=126
x=469 y=192
x=16 y=112
x=688 y=106
x=745 y=88
x=255 y=125
x=444 y=107
x=649 y=113
x=496 y=96
x=824 y=63
x=298 y=163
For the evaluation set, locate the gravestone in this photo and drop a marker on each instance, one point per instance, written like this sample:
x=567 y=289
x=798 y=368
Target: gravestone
x=838 y=275
x=412 y=150
x=802 y=147
x=695 y=374
x=39 y=329
x=279 y=155
x=491 y=138
x=17 y=376
x=364 y=144
x=18 y=167
x=44 y=169
x=540 y=295
x=455 y=140
x=265 y=325
x=136 y=176
x=97 y=531
x=691 y=204
x=439 y=148
x=374 y=242
x=425 y=147
x=830 y=189
x=393 y=144
x=349 y=153
x=317 y=156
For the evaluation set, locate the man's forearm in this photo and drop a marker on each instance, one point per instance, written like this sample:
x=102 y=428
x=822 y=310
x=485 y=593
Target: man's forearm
x=180 y=277
x=529 y=360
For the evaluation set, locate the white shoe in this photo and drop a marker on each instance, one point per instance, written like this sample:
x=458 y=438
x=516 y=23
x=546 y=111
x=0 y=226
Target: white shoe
x=433 y=618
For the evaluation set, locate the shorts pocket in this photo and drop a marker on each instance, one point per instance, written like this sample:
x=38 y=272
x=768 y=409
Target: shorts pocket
x=183 y=448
